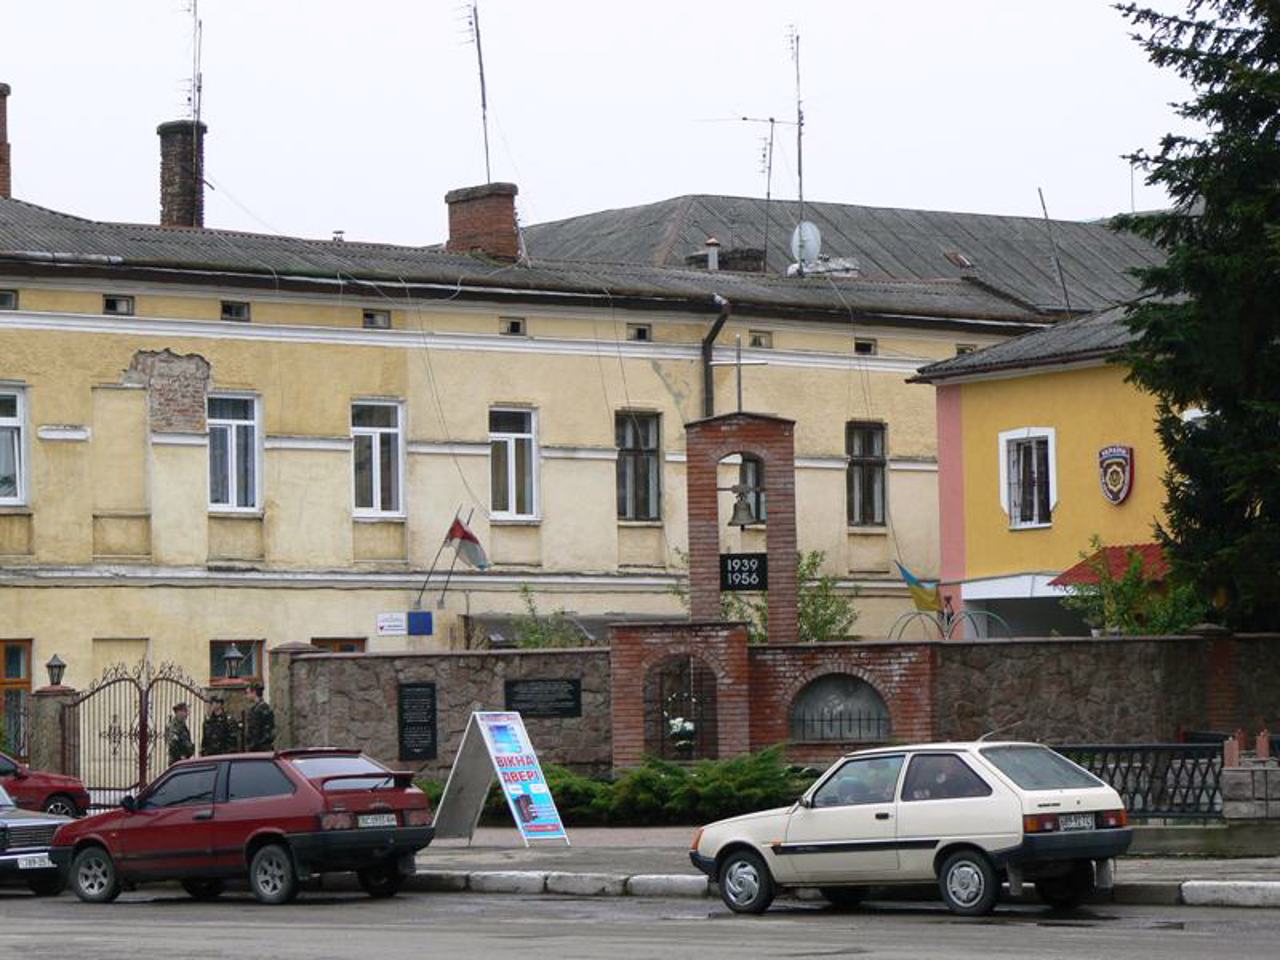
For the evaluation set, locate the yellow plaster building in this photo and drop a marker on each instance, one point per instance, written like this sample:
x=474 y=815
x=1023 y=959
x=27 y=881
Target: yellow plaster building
x=1042 y=444
x=210 y=437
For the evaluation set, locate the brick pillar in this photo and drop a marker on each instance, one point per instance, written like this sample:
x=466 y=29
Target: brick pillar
x=182 y=173
x=45 y=735
x=483 y=220
x=6 y=171
x=772 y=439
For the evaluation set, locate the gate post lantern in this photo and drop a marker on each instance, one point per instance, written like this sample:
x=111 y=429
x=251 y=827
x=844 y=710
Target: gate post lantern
x=45 y=731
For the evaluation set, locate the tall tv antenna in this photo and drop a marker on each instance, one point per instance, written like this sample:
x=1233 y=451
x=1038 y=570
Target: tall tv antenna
x=473 y=16
x=197 y=79
x=795 y=55
x=766 y=159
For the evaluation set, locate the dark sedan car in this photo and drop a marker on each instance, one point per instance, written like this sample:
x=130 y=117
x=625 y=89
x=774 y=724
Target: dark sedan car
x=275 y=819
x=24 y=847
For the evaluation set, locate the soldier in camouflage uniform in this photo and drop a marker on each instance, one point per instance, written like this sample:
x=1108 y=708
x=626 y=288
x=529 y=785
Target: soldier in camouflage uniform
x=177 y=736
x=260 y=725
x=219 y=735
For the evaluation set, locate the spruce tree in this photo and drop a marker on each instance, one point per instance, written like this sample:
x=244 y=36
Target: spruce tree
x=1208 y=330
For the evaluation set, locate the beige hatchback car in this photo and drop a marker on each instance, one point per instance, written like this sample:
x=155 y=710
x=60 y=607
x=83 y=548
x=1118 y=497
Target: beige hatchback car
x=968 y=815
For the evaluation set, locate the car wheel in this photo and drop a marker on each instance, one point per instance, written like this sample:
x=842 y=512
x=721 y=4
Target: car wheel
x=93 y=876
x=745 y=883
x=46 y=885
x=61 y=805
x=272 y=876
x=968 y=883
x=1071 y=889
x=844 y=898
x=203 y=889
x=381 y=881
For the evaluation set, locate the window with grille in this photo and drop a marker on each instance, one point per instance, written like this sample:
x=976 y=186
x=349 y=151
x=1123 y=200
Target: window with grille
x=233 y=453
x=639 y=466
x=864 y=443
x=1029 y=478
x=513 y=464
x=378 y=454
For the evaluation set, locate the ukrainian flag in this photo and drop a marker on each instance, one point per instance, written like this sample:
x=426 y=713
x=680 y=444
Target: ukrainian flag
x=925 y=593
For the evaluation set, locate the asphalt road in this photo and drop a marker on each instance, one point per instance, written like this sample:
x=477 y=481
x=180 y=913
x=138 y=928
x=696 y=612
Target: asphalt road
x=323 y=926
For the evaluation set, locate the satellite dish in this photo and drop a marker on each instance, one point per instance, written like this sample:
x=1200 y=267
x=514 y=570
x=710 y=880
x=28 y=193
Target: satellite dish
x=806 y=242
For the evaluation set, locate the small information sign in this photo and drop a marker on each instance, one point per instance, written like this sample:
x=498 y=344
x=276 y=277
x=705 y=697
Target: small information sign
x=545 y=697
x=744 y=571
x=393 y=624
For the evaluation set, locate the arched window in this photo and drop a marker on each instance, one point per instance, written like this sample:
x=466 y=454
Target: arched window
x=839 y=706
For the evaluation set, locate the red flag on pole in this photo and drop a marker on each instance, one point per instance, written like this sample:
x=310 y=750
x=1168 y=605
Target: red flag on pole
x=467 y=545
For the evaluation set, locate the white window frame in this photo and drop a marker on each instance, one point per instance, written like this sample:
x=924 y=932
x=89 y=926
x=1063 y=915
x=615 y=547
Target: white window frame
x=18 y=420
x=535 y=462
x=211 y=423
x=375 y=433
x=1028 y=433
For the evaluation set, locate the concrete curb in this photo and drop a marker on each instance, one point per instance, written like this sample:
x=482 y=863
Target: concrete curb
x=1192 y=893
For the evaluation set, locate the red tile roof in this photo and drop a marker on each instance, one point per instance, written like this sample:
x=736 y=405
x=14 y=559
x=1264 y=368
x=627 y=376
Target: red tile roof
x=1154 y=565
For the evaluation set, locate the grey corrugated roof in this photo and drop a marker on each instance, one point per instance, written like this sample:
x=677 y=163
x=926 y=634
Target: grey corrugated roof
x=1012 y=253
x=1080 y=338
x=30 y=233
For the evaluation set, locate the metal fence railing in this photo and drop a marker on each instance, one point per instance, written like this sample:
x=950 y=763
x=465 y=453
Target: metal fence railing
x=1158 y=780
x=833 y=725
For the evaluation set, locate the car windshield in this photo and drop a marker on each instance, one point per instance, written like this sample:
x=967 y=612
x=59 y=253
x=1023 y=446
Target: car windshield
x=1039 y=768
x=316 y=768
x=6 y=801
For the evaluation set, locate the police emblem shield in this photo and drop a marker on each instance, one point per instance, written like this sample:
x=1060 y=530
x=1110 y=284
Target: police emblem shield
x=1115 y=470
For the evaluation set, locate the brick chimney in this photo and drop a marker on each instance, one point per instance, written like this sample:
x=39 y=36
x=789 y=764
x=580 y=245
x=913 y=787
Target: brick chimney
x=182 y=173
x=483 y=220
x=6 y=184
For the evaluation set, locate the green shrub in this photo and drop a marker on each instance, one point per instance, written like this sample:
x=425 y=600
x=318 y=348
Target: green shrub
x=661 y=793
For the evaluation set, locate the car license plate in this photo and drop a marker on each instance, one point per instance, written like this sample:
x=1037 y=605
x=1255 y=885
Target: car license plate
x=376 y=820
x=39 y=862
x=1075 y=821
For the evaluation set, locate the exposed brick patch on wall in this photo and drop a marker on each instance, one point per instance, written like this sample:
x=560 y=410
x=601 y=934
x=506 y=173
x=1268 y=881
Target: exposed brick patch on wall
x=351 y=699
x=1220 y=695
x=901 y=673
x=177 y=388
x=636 y=648
x=709 y=441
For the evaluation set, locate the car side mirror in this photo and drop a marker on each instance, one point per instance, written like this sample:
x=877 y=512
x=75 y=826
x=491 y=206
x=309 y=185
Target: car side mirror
x=806 y=802
x=20 y=773
x=129 y=803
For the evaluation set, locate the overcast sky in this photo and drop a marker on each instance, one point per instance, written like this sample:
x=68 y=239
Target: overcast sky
x=334 y=114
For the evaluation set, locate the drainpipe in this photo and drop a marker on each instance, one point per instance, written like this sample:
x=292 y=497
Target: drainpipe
x=708 y=348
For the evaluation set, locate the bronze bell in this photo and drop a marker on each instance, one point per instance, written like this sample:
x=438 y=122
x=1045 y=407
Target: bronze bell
x=743 y=515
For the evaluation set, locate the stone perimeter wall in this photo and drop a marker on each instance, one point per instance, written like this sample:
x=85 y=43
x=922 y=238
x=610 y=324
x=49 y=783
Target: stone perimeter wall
x=351 y=699
x=1099 y=690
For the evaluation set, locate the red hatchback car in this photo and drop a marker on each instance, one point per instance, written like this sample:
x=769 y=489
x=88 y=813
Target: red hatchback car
x=276 y=819
x=35 y=790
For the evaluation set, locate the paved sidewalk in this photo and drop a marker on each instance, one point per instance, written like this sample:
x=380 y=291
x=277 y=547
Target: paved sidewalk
x=655 y=861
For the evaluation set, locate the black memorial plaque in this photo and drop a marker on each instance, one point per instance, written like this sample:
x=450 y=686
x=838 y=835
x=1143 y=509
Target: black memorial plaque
x=744 y=571
x=417 y=721
x=545 y=698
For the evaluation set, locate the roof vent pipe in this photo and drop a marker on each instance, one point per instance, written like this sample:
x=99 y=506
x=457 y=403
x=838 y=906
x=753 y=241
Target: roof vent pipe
x=713 y=253
x=6 y=185
x=182 y=173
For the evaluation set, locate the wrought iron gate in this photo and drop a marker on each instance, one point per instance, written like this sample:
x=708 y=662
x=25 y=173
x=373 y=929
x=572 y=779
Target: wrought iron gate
x=113 y=733
x=680 y=710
